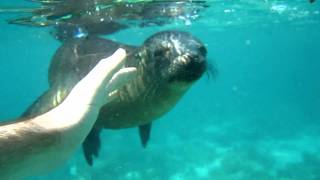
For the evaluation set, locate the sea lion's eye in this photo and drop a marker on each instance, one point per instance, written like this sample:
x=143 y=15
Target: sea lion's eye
x=158 y=53
x=162 y=52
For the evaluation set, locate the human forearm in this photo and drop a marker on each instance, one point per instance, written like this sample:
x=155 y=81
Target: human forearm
x=37 y=145
x=23 y=146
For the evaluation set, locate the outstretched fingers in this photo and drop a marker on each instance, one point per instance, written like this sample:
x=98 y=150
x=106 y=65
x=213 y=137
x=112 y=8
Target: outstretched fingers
x=94 y=87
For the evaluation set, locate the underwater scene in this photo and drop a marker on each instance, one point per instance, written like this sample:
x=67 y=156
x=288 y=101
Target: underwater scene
x=254 y=114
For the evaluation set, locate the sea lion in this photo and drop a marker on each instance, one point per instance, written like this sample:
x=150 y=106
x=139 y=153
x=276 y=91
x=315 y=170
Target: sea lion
x=168 y=63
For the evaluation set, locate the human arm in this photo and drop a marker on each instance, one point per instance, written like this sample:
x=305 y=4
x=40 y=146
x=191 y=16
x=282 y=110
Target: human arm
x=40 y=144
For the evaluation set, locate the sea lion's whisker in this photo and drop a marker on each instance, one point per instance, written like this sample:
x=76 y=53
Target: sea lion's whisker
x=211 y=71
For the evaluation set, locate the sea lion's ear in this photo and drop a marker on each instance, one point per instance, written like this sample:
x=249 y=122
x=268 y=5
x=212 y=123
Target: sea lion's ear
x=144 y=132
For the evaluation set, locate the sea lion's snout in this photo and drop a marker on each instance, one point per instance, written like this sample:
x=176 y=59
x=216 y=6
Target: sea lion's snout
x=178 y=56
x=190 y=63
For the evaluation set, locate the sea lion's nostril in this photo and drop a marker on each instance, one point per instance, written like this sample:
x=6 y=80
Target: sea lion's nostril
x=196 y=67
x=192 y=71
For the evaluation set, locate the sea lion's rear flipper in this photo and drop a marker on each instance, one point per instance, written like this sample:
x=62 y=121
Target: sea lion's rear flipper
x=144 y=132
x=91 y=145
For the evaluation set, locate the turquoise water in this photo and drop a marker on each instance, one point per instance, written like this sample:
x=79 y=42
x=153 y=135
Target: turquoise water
x=258 y=120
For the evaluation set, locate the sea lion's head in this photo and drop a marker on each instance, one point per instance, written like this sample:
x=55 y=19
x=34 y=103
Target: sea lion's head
x=176 y=57
x=168 y=63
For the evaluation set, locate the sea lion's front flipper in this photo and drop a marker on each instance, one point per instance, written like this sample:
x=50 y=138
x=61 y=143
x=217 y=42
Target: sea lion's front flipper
x=144 y=132
x=91 y=145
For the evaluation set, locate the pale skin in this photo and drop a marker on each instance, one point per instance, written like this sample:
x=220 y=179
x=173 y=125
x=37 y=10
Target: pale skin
x=36 y=146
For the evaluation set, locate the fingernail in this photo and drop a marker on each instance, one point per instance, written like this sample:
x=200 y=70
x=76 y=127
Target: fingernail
x=120 y=53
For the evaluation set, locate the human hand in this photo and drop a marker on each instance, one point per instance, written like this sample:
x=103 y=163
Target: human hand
x=79 y=111
x=96 y=88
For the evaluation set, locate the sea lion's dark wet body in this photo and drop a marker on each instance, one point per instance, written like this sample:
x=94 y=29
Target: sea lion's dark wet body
x=168 y=64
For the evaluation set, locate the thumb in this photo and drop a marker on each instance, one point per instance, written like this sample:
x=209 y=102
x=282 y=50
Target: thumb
x=122 y=77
